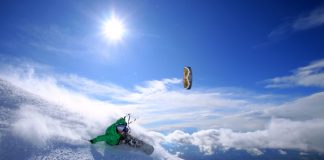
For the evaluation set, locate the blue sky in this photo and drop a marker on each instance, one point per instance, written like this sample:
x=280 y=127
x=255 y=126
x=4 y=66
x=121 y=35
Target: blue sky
x=257 y=71
x=227 y=43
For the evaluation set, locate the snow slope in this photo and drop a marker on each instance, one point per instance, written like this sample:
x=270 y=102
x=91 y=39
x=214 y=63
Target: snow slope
x=34 y=128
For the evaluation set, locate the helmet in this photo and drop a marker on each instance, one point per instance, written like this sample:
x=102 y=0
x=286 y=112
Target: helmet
x=122 y=128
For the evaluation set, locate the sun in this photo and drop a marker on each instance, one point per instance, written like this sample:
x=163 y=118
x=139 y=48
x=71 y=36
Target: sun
x=114 y=29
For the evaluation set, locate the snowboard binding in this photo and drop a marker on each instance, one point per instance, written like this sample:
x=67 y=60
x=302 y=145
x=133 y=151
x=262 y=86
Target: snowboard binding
x=133 y=142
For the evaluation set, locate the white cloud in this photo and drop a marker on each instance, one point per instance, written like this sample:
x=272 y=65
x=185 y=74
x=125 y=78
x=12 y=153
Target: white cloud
x=179 y=154
x=50 y=38
x=155 y=86
x=255 y=151
x=280 y=133
x=225 y=119
x=303 y=153
x=292 y=125
x=305 y=108
x=158 y=103
x=282 y=152
x=280 y=31
x=90 y=87
x=314 y=18
x=311 y=75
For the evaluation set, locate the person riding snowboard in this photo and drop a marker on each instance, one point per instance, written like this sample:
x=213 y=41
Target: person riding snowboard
x=114 y=133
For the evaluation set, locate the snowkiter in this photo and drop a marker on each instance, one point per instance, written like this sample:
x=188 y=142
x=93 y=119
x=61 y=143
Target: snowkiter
x=114 y=133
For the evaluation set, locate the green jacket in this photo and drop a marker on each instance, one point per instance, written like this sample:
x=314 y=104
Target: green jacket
x=111 y=137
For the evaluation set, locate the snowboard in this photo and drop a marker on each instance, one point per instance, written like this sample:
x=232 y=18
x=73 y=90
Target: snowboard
x=137 y=144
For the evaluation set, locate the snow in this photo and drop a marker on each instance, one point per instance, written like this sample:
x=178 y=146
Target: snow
x=34 y=128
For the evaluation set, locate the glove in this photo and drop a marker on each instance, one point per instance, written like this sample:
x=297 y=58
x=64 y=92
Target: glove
x=92 y=141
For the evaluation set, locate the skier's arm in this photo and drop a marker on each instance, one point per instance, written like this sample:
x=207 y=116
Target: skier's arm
x=100 y=138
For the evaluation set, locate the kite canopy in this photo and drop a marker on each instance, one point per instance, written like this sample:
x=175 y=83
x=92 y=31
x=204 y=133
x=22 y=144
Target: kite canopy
x=187 y=77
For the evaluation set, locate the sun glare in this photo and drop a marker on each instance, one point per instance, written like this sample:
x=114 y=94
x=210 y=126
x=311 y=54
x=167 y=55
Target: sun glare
x=114 y=29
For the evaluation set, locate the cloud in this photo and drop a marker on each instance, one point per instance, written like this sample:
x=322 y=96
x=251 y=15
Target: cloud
x=314 y=18
x=50 y=38
x=90 y=87
x=156 y=86
x=311 y=75
x=223 y=119
x=280 y=133
x=292 y=125
x=280 y=31
x=304 y=108
x=282 y=152
x=156 y=101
